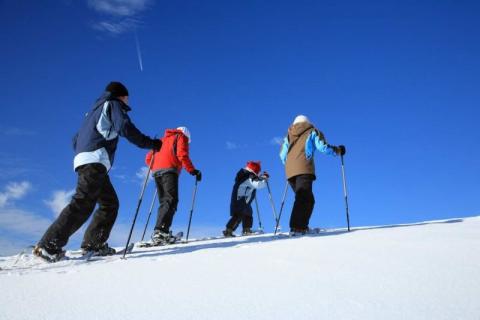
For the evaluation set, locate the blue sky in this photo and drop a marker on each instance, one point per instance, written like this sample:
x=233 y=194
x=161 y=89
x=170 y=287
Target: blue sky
x=395 y=81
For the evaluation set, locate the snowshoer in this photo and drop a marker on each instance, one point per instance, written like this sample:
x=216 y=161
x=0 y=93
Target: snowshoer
x=247 y=181
x=166 y=167
x=297 y=154
x=95 y=145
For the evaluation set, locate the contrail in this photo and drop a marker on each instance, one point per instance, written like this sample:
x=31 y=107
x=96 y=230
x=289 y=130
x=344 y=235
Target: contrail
x=139 y=53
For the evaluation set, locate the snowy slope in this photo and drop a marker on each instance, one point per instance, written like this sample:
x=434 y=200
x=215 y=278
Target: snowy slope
x=424 y=271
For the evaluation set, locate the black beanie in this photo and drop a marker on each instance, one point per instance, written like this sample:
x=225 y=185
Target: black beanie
x=117 y=89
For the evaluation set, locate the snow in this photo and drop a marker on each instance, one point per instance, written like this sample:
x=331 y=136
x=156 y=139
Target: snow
x=427 y=270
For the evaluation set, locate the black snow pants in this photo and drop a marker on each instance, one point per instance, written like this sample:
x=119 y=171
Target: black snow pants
x=245 y=217
x=304 y=201
x=167 y=187
x=93 y=186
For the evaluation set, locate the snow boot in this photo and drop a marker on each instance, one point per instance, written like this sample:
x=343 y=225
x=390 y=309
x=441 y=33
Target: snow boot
x=42 y=253
x=228 y=233
x=298 y=232
x=101 y=250
x=301 y=232
x=247 y=232
x=160 y=238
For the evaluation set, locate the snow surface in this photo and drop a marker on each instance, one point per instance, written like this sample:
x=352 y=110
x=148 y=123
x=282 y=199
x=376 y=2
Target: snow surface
x=427 y=270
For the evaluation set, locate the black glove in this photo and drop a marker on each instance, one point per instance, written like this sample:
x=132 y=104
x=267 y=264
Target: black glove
x=265 y=175
x=340 y=150
x=197 y=174
x=156 y=145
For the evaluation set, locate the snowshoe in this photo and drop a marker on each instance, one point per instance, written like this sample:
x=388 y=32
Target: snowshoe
x=102 y=250
x=228 y=233
x=160 y=238
x=42 y=253
x=294 y=232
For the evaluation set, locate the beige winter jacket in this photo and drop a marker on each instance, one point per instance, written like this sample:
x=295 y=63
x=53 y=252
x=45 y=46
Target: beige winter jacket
x=297 y=162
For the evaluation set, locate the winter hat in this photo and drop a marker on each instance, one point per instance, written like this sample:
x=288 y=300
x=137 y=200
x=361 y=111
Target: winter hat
x=254 y=166
x=301 y=118
x=186 y=132
x=117 y=89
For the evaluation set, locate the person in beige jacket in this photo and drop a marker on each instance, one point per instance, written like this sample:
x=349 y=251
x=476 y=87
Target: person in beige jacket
x=297 y=155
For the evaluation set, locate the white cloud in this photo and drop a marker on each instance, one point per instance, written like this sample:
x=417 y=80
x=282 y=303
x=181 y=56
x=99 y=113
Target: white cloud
x=23 y=222
x=59 y=200
x=122 y=15
x=231 y=145
x=142 y=173
x=14 y=191
x=14 y=131
x=115 y=27
x=123 y=8
x=276 y=141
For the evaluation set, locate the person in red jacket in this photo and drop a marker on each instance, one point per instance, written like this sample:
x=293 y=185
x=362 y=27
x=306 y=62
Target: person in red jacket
x=166 y=166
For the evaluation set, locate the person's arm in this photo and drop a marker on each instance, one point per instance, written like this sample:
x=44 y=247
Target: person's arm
x=183 y=153
x=317 y=141
x=257 y=183
x=284 y=150
x=123 y=125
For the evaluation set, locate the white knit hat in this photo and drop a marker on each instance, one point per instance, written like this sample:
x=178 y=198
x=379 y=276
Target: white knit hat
x=186 y=132
x=301 y=118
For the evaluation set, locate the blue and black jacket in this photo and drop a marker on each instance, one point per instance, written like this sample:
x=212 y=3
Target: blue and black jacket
x=96 y=141
x=244 y=192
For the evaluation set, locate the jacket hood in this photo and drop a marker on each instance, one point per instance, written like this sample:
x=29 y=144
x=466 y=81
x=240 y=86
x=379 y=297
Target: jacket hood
x=243 y=174
x=172 y=132
x=296 y=130
x=107 y=96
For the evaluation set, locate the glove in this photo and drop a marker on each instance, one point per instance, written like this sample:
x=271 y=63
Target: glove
x=197 y=174
x=340 y=150
x=265 y=175
x=156 y=145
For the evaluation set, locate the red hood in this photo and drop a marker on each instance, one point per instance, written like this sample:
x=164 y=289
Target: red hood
x=172 y=132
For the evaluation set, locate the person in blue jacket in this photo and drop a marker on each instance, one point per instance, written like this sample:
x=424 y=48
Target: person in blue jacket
x=95 y=145
x=297 y=154
x=244 y=191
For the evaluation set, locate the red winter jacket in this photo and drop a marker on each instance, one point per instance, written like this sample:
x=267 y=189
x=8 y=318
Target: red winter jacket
x=173 y=154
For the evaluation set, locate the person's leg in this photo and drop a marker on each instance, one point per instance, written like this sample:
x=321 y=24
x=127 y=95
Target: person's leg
x=102 y=223
x=161 y=210
x=170 y=190
x=307 y=185
x=234 y=222
x=295 y=209
x=247 y=220
x=91 y=178
x=304 y=201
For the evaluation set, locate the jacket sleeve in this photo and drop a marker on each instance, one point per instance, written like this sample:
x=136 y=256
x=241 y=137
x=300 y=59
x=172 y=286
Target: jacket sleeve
x=183 y=153
x=148 y=158
x=123 y=125
x=256 y=183
x=316 y=141
x=284 y=150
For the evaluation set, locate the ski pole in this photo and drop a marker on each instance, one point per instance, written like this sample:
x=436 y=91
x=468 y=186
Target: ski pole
x=272 y=203
x=281 y=206
x=258 y=214
x=150 y=213
x=191 y=210
x=345 y=193
x=139 y=204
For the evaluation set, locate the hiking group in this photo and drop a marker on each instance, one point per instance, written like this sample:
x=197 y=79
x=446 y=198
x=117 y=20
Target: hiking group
x=95 y=145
